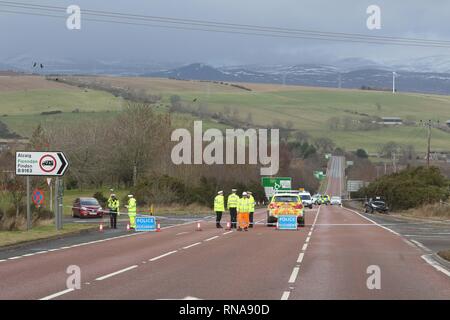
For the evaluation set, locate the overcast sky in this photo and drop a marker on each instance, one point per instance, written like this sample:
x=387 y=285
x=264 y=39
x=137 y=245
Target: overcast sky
x=44 y=37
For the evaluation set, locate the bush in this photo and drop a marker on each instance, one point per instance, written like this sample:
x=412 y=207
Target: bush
x=361 y=153
x=409 y=188
x=100 y=198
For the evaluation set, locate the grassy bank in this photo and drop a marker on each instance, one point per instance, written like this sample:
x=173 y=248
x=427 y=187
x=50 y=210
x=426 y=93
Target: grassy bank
x=45 y=231
x=445 y=255
x=435 y=211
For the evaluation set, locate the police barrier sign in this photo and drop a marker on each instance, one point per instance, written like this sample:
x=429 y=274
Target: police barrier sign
x=41 y=163
x=287 y=222
x=145 y=223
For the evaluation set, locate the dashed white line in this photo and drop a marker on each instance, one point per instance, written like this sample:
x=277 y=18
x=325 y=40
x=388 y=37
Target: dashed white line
x=307 y=239
x=304 y=247
x=300 y=257
x=180 y=233
x=162 y=256
x=285 y=295
x=294 y=275
x=57 y=294
x=212 y=238
x=116 y=273
x=228 y=232
x=192 y=245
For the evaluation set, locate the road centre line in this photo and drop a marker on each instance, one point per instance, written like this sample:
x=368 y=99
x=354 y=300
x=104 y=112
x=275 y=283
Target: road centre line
x=307 y=239
x=212 y=238
x=300 y=257
x=57 y=294
x=227 y=232
x=192 y=245
x=285 y=295
x=304 y=247
x=116 y=273
x=294 y=275
x=163 y=255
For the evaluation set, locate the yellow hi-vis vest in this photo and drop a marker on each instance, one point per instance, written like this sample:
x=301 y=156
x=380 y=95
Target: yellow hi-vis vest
x=233 y=201
x=219 y=203
x=113 y=204
x=132 y=206
x=252 y=204
x=244 y=205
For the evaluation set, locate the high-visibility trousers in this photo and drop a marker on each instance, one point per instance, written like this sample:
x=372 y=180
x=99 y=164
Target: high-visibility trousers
x=132 y=220
x=243 y=219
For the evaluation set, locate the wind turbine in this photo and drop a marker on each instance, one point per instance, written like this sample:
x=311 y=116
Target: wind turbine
x=394 y=75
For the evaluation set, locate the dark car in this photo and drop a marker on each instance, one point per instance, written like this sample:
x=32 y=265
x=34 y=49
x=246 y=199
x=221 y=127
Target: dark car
x=377 y=205
x=87 y=208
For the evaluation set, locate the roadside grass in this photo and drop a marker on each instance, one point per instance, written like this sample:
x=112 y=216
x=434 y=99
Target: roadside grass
x=445 y=254
x=435 y=211
x=43 y=231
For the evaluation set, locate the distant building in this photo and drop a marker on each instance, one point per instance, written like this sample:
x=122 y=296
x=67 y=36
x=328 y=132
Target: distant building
x=391 y=120
x=448 y=123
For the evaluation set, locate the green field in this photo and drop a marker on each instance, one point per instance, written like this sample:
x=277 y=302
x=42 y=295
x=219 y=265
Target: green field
x=307 y=108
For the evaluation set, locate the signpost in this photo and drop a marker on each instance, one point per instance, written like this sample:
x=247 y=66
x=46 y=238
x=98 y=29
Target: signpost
x=145 y=223
x=319 y=175
x=272 y=185
x=49 y=164
x=354 y=185
x=287 y=222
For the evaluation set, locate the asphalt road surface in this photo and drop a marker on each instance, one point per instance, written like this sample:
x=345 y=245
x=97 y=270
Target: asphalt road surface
x=328 y=259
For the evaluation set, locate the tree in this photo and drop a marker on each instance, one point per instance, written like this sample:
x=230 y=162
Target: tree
x=361 y=153
x=324 y=145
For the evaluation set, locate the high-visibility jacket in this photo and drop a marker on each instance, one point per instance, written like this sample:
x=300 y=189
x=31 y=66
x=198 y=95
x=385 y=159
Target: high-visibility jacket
x=233 y=201
x=113 y=204
x=252 y=204
x=244 y=205
x=132 y=206
x=219 y=203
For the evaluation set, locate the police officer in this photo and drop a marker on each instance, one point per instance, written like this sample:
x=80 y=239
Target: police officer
x=252 y=207
x=232 y=204
x=219 y=207
x=132 y=211
x=113 y=206
x=243 y=212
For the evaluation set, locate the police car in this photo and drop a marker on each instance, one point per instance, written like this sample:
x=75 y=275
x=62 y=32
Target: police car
x=286 y=203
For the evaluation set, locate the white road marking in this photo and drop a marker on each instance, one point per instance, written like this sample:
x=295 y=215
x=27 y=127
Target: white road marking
x=420 y=245
x=41 y=252
x=285 y=295
x=28 y=254
x=179 y=234
x=434 y=264
x=294 y=275
x=309 y=234
x=304 y=247
x=15 y=258
x=228 y=232
x=162 y=256
x=116 y=273
x=192 y=245
x=2 y=260
x=57 y=294
x=212 y=238
x=379 y=225
x=307 y=239
x=300 y=257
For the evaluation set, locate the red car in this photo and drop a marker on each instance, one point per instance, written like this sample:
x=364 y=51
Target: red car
x=87 y=208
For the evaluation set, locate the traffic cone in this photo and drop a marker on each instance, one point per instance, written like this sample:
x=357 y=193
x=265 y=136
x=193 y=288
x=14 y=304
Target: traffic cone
x=128 y=227
x=158 y=228
x=276 y=227
x=228 y=226
x=199 y=227
x=100 y=228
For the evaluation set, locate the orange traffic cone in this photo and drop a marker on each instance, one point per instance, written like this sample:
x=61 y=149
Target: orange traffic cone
x=100 y=228
x=128 y=227
x=276 y=227
x=158 y=228
x=228 y=226
x=199 y=227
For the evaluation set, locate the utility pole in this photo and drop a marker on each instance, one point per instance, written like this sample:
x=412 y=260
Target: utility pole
x=428 y=124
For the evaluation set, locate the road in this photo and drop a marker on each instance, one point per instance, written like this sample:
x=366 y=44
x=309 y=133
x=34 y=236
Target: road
x=328 y=259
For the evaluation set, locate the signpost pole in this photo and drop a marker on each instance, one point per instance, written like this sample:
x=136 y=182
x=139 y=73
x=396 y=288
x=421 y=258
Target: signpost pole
x=56 y=205
x=28 y=204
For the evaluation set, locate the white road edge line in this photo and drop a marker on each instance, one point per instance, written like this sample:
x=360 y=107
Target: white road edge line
x=57 y=294
x=162 y=256
x=285 y=295
x=294 y=275
x=420 y=245
x=192 y=245
x=15 y=258
x=212 y=238
x=359 y=214
x=434 y=264
x=116 y=273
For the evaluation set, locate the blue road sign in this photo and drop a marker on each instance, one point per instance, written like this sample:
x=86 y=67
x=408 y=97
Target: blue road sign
x=287 y=222
x=144 y=223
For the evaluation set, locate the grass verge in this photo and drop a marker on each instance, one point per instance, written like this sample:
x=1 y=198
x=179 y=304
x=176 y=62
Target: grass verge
x=9 y=238
x=445 y=255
